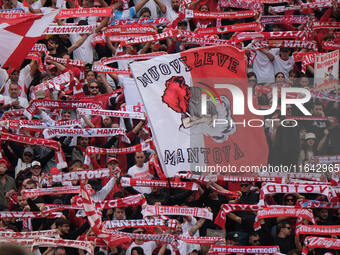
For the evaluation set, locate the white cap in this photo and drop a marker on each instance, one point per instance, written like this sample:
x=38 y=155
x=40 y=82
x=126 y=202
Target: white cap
x=310 y=136
x=36 y=163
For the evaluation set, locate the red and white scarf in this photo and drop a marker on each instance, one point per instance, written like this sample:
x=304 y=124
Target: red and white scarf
x=118 y=114
x=322 y=24
x=29 y=215
x=317 y=230
x=283 y=44
x=59 y=30
x=252 y=26
x=326 y=159
x=228 y=208
x=156 y=210
x=330 y=45
x=29 y=193
x=29 y=235
x=190 y=14
x=119 y=30
x=224 y=249
x=81 y=175
x=35 y=125
x=250 y=5
x=50 y=242
x=59 y=154
x=134 y=182
x=84 y=12
x=86 y=132
x=284 y=19
x=303 y=6
x=313 y=242
x=117 y=224
x=318 y=204
x=68 y=62
x=246 y=36
x=283 y=211
x=205 y=41
x=138 y=199
x=58 y=104
x=101 y=68
x=150 y=38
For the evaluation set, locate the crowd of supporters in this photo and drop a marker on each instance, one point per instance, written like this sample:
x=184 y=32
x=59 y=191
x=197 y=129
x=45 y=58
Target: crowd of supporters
x=25 y=166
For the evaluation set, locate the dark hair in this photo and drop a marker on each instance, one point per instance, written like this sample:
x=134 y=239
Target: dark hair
x=279 y=73
x=250 y=74
x=58 y=248
x=182 y=23
x=139 y=250
x=12 y=249
x=281 y=225
x=61 y=221
x=144 y=10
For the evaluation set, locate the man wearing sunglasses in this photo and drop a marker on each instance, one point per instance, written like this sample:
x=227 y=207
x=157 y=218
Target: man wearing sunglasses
x=244 y=220
x=285 y=238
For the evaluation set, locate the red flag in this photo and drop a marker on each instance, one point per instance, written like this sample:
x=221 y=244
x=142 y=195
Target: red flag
x=17 y=37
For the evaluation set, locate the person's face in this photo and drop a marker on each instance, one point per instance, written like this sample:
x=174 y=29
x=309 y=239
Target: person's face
x=22 y=201
x=302 y=133
x=14 y=91
x=284 y=54
x=287 y=229
x=119 y=214
x=245 y=187
x=304 y=82
x=289 y=200
x=53 y=71
x=36 y=170
x=27 y=157
x=66 y=116
x=178 y=228
x=65 y=228
x=183 y=28
x=252 y=81
x=3 y=168
x=14 y=76
x=75 y=166
x=134 y=252
x=317 y=111
x=112 y=165
x=60 y=252
x=324 y=214
x=130 y=49
x=140 y=157
x=31 y=186
x=51 y=45
x=204 y=8
x=139 y=231
x=146 y=15
x=310 y=142
x=280 y=78
x=254 y=240
x=90 y=77
x=94 y=88
x=175 y=5
x=83 y=141
x=107 y=122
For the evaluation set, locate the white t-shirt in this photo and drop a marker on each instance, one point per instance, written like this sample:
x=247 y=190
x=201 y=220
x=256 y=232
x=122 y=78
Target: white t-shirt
x=155 y=11
x=148 y=247
x=35 y=5
x=263 y=68
x=24 y=81
x=85 y=51
x=141 y=173
x=281 y=65
x=7 y=100
x=171 y=14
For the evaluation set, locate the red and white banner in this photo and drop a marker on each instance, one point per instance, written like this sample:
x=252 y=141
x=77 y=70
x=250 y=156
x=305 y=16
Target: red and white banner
x=283 y=212
x=123 y=150
x=327 y=159
x=328 y=25
x=243 y=4
x=206 y=41
x=50 y=242
x=317 y=230
x=156 y=210
x=330 y=45
x=228 y=208
x=118 y=114
x=59 y=30
x=87 y=132
x=29 y=215
x=119 y=30
x=84 y=12
x=133 y=182
x=17 y=37
x=284 y=19
x=318 y=204
x=131 y=57
x=190 y=14
x=68 y=62
x=35 y=125
x=29 y=235
x=253 y=26
x=314 y=242
x=101 y=68
x=29 y=193
x=225 y=249
x=150 y=38
x=82 y=175
x=138 y=199
x=116 y=224
x=246 y=36
x=283 y=44
x=326 y=71
x=166 y=85
x=302 y=6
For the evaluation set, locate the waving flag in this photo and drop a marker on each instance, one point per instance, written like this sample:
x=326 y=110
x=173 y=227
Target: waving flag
x=17 y=37
x=194 y=117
